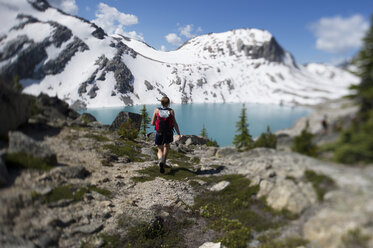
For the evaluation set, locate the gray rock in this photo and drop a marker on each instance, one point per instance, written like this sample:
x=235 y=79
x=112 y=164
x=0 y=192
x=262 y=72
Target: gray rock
x=211 y=152
x=149 y=152
x=78 y=105
x=54 y=108
x=4 y=176
x=19 y=142
x=192 y=140
x=220 y=186
x=85 y=118
x=225 y=151
x=69 y=172
x=148 y=85
x=123 y=117
x=14 y=108
x=88 y=229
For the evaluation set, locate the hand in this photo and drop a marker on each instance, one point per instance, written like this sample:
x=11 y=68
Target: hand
x=178 y=137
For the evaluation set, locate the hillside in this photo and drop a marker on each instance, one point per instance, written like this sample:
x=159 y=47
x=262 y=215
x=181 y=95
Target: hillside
x=59 y=54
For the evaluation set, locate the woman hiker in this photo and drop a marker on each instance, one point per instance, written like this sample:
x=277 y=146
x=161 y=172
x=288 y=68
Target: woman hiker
x=164 y=121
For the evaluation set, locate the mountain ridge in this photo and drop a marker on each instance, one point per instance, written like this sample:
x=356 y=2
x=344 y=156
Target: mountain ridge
x=76 y=60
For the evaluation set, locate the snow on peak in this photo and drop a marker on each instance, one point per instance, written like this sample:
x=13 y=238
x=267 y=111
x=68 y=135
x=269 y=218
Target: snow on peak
x=76 y=60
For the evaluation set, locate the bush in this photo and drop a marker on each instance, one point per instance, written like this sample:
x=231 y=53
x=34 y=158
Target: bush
x=356 y=143
x=213 y=143
x=303 y=143
x=128 y=130
x=267 y=139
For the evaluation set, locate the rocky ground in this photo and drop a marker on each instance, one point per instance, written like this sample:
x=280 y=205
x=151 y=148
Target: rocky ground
x=106 y=191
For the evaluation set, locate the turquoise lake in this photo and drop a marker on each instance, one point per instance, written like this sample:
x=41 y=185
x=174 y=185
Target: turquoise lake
x=219 y=118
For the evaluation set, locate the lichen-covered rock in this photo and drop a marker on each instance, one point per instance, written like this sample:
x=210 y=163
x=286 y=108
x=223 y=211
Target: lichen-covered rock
x=123 y=117
x=19 y=142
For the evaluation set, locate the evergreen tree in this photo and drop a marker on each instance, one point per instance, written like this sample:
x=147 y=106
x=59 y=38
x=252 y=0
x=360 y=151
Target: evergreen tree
x=145 y=120
x=267 y=139
x=356 y=142
x=303 y=142
x=204 y=132
x=364 y=62
x=243 y=140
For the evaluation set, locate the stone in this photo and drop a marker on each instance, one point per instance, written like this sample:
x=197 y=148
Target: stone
x=149 y=152
x=123 y=117
x=69 y=172
x=88 y=229
x=220 y=186
x=211 y=245
x=19 y=142
x=191 y=140
x=86 y=117
x=14 y=108
x=225 y=151
x=78 y=105
x=4 y=176
x=211 y=152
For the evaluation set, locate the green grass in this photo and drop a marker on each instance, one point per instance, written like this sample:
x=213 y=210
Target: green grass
x=129 y=149
x=355 y=238
x=235 y=211
x=166 y=232
x=178 y=173
x=26 y=161
x=321 y=183
x=195 y=160
x=99 y=138
x=70 y=192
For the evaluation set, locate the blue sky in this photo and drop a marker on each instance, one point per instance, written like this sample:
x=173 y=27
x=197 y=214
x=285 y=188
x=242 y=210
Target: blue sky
x=313 y=31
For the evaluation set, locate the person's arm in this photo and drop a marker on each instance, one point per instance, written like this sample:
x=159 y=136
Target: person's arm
x=176 y=125
x=154 y=117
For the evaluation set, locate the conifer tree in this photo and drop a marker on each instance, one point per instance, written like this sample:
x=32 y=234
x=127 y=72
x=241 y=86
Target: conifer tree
x=364 y=62
x=242 y=140
x=145 y=120
x=267 y=139
x=204 y=132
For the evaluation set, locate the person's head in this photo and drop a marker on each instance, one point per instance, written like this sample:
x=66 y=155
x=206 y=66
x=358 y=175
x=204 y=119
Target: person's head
x=165 y=101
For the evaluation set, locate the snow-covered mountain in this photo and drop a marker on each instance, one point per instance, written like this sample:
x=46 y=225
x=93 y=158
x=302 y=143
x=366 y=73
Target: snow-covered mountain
x=64 y=55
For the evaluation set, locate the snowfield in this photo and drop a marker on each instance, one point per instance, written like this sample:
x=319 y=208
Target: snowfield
x=244 y=65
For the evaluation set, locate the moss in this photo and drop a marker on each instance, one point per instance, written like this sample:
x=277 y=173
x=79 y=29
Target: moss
x=289 y=242
x=355 y=238
x=128 y=148
x=99 y=138
x=235 y=211
x=23 y=160
x=321 y=183
x=195 y=160
x=150 y=173
x=69 y=192
x=161 y=233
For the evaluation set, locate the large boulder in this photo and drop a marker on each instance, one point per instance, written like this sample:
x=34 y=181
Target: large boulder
x=192 y=140
x=14 y=108
x=54 y=108
x=19 y=142
x=123 y=117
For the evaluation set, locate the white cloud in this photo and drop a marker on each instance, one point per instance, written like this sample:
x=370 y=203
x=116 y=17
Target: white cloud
x=339 y=35
x=113 y=21
x=69 y=6
x=173 y=39
x=163 y=48
x=187 y=31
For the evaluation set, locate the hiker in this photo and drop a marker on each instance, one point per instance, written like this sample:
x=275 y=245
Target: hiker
x=324 y=124
x=164 y=121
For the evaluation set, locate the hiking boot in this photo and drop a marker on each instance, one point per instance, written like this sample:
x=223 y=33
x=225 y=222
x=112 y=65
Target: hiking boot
x=161 y=167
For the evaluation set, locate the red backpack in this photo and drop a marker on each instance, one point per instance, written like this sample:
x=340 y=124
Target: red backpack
x=164 y=123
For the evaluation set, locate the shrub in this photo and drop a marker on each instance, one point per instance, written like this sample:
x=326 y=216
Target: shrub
x=213 y=143
x=267 y=139
x=303 y=143
x=145 y=120
x=128 y=130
